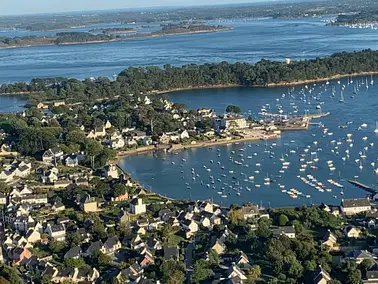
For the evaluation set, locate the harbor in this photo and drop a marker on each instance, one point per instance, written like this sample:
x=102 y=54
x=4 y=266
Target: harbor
x=336 y=143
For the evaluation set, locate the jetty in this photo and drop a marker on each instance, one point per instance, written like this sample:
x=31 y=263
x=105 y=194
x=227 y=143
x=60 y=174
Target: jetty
x=363 y=186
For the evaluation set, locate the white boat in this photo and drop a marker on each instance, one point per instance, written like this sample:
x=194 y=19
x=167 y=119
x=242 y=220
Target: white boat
x=363 y=125
x=376 y=128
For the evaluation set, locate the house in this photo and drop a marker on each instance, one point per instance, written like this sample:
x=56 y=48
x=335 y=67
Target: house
x=352 y=232
x=59 y=103
x=287 y=231
x=132 y=274
x=153 y=244
x=3 y=199
x=218 y=246
x=183 y=135
x=34 y=199
x=22 y=171
x=242 y=260
x=330 y=241
x=62 y=183
x=108 y=124
x=137 y=206
x=171 y=252
x=205 y=112
x=71 y=161
x=19 y=255
x=77 y=275
x=250 y=211
x=74 y=252
x=33 y=236
x=117 y=143
x=355 y=206
x=371 y=276
x=56 y=232
x=95 y=246
x=52 y=155
x=89 y=204
x=121 y=197
x=358 y=256
x=190 y=226
x=111 y=245
x=321 y=276
x=235 y=272
x=229 y=121
x=206 y=206
x=111 y=171
x=147 y=259
x=7 y=176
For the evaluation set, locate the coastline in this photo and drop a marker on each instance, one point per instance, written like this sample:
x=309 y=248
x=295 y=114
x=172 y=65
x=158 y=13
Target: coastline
x=178 y=147
x=137 y=36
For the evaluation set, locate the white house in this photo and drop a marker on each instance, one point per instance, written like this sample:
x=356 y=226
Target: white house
x=137 y=206
x=57 y=232
x=117 y=143
x=111 y=171
x=52 y=155
x=72 y=161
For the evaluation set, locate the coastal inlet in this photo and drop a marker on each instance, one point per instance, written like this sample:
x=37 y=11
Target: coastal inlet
x=302 y=167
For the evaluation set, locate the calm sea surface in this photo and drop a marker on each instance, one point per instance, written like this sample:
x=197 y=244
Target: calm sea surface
x=250 y=41
x=319 y=149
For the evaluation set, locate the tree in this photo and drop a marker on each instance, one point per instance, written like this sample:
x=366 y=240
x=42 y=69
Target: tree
x=201 y=271
x=100 y=259
x=3 y=280
x=235 y=215
x=213 y=258
x=176 y=277
x=233 y=109
x=56 y=246
x=283 y=220
x=4 y=188
x=366 y=264
x=173 y=272
x=119 y=189
x=75 y=263
x=253 y=274
x=92 y=149
x=11 y=274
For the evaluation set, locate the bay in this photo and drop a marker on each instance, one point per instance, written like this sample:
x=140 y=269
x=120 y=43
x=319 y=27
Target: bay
x=162 y=173
x=251 y=40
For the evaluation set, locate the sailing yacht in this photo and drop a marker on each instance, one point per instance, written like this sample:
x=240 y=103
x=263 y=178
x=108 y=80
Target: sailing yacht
x=376 y=127
x=341 y=97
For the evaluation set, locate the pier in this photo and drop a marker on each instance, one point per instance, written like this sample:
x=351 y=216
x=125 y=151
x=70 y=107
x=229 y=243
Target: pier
x=363 y=186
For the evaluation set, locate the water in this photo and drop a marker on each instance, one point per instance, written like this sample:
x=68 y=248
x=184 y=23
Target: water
x=12 y=103
x=164 y=177
x=250 y=41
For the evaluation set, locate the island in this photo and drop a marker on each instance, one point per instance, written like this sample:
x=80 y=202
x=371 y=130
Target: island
x=158 y=80
x=108 y=35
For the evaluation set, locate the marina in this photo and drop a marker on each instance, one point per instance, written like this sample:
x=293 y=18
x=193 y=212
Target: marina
x=309 y=166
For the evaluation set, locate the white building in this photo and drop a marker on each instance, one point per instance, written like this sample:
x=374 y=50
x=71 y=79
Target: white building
x=137 y=206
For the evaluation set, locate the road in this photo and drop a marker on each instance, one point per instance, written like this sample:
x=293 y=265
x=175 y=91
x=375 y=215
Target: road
x=189 y=251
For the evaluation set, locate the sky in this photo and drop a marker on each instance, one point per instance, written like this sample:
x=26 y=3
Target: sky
x=13 y=7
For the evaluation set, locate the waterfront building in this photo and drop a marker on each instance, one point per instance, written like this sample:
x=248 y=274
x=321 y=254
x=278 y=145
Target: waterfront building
x=355 y=206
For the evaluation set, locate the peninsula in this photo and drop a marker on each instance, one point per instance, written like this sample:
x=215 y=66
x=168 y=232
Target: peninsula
x=363 y=19
x=157 y=80
x=107 y=35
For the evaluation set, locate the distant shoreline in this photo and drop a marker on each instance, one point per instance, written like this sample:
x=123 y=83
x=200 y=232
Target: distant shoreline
x=137 y=36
